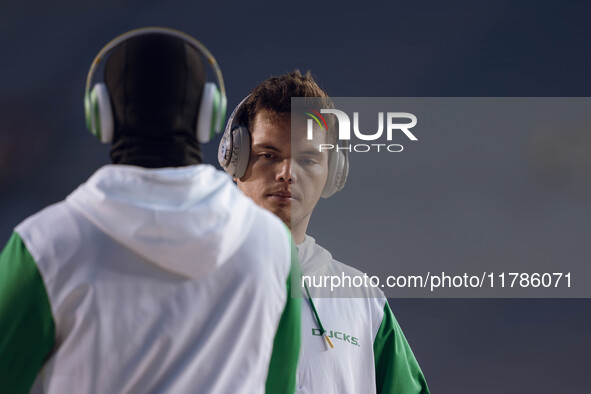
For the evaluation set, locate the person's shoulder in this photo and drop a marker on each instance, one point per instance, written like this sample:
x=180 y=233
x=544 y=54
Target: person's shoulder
x=51 y=218
x=367 y=289
x=353 y=283
x=332 y=265
x=49 y=231
x=339 y=267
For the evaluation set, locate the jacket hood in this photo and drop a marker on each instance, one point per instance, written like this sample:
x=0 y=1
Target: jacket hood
x=188 y=220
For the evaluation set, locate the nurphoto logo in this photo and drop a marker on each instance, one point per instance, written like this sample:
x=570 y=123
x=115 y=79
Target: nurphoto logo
x=393 y=126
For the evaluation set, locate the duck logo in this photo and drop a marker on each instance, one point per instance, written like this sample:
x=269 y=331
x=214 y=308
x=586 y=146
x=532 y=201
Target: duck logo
x=337 y=335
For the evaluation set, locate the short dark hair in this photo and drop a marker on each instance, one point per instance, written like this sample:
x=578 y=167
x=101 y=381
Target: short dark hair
x=275 y=93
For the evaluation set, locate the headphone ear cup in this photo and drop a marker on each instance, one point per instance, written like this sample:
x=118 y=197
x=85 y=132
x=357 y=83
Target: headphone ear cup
x=333 y=163
x=342 y=171
x=209 y=112
x=221 y=112
x=100 y=118
x=338 y=169
x=225 y=149
x=234 y=151
x=87 y=111
x=342 y=177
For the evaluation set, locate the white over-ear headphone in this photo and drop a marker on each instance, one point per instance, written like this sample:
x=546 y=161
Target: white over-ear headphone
x=97 y=102
x=234 y=154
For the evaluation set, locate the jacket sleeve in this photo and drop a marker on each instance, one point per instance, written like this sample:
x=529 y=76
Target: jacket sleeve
x=27 y=329
x=286 y=346
x=397 y=370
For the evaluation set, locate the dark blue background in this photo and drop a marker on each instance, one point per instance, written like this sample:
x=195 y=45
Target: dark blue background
x=453 y=48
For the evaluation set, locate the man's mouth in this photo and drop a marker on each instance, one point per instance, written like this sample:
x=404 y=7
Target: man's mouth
x=281 y=195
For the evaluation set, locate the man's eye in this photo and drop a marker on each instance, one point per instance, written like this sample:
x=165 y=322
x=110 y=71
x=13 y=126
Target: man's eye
x=307 y=162
x=267 y=155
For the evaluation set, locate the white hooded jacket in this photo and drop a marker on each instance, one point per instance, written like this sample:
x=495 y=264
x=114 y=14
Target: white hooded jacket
x=157 y=280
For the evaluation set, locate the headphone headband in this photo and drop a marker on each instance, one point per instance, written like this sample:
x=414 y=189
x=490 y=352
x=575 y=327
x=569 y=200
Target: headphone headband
x=115 y=42
x=213 y=106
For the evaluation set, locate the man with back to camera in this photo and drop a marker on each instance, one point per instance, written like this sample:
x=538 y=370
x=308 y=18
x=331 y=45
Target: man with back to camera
x=363 y=349
x=157 y=274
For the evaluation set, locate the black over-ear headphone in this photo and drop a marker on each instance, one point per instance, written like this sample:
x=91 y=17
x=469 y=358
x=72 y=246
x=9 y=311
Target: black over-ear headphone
x=97 y=103
x=234 y=154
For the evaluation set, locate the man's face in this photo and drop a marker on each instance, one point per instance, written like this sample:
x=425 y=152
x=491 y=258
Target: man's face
x=285 y=175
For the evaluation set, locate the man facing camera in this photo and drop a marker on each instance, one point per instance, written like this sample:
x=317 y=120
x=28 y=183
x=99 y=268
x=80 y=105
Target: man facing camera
x=349 y=345
x=156 y=275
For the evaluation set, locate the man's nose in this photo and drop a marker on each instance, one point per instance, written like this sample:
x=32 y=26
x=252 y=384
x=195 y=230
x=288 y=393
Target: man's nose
x=284 y=173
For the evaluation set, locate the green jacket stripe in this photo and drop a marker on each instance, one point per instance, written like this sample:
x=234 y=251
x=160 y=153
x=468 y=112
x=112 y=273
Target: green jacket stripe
x=284 y=359
x=27 y=329
x=397 y=370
